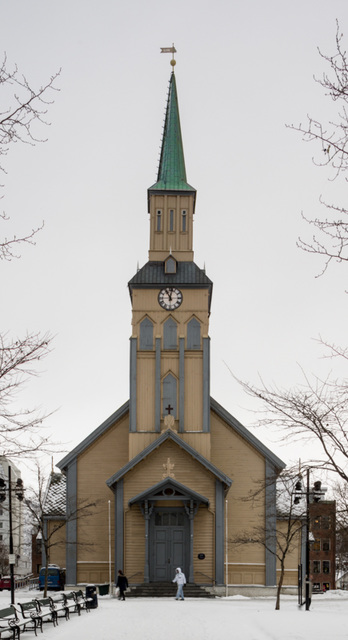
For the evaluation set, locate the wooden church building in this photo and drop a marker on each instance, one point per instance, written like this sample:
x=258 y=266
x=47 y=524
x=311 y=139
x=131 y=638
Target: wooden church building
x=169 y=459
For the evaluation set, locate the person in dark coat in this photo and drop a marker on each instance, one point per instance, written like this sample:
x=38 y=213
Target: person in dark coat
x=122 y=584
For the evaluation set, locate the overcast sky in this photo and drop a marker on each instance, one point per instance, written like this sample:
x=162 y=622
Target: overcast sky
x=244 y=70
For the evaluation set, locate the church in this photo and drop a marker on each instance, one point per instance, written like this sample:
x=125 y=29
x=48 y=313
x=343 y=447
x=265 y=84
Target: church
x=169 y=469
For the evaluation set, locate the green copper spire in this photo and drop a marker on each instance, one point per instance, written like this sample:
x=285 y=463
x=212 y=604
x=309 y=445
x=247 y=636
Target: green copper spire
x=171 y=172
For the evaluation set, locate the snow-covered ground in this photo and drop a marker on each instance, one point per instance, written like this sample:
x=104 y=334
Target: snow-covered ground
x=237 y=617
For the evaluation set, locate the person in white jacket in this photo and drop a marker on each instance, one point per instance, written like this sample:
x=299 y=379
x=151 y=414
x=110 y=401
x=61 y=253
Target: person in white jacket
x=180 y=579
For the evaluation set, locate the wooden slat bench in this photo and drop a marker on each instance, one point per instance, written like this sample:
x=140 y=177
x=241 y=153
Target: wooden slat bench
x=85 y=603
x=71 y=602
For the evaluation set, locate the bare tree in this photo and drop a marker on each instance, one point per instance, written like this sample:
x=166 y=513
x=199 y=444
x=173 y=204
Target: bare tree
x=332 y=151
x=290 y=520
x=20 y=429
x=47 y=508
x=315 y=411
x=23 y=107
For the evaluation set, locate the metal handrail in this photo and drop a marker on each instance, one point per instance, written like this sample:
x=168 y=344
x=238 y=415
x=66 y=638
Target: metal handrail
x=205 y=575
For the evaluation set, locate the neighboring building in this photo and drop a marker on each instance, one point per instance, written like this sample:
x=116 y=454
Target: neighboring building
x=323 y=545
x=170 y=457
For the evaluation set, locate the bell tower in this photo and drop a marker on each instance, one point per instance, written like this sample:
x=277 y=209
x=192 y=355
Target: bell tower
x=171 y=299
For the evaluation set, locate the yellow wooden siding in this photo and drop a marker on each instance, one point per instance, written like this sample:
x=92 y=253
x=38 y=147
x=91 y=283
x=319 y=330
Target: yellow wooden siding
x=98 y=462
x=198 y=441
x=57 y=553
x=146 y=391
x=161 y=243
x=246 y=574
x=194 y=391
x=204 y=542
x=246 y=468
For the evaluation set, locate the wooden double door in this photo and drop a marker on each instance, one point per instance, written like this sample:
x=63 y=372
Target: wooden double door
x=169 y=535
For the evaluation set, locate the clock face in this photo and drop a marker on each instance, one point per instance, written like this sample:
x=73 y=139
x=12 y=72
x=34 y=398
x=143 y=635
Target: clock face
x=170 y=298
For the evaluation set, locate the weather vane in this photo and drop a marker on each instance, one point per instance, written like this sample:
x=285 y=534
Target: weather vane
x=170 y=50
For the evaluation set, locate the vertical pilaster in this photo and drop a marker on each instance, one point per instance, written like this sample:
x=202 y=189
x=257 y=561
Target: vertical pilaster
x=191 y=520
x=206 y=384
x=119 y=526
x=270 y=525
x=181 y=385
x=71 y=523
x=147 y=515
x=133 y=385
x=158 y=386
x=219 y=532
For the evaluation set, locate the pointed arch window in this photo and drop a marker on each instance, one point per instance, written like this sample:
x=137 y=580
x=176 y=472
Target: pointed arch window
x=170 y=334
x=158 y=220
x=169 y=390
x=146 y=335
x=193 y=334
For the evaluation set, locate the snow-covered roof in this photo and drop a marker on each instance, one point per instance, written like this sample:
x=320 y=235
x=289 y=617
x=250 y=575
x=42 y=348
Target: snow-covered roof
x=54 y=503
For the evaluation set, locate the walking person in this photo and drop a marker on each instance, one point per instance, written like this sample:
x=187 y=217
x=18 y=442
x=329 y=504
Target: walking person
x=121 y=584
x=180 y=579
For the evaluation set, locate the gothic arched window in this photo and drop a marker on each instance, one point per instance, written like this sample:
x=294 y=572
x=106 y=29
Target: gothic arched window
x=170 y=334
x=146 y=334
x=169 y=395
x=193 y=334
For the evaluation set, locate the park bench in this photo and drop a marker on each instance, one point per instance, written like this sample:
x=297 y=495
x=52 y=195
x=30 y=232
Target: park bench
x=59 y=606
x=46 y=610
x=83 y=601
x=29 y=612
x=71 y=602
x=12 y=623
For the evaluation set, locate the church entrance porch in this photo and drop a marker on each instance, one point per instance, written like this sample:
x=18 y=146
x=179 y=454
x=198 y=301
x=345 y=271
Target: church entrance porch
x=169 y=543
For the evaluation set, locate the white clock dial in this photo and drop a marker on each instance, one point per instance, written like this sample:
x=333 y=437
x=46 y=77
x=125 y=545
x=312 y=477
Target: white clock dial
x=170 y=298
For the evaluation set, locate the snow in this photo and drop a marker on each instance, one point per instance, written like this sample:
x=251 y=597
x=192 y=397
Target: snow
x=201 y=619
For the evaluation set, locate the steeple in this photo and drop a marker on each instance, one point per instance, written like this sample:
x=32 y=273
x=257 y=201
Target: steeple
x=172 y=172
x=171 y=200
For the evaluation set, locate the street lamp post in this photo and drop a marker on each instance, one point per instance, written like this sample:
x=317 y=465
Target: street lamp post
x=19 y=493
x=316 y=493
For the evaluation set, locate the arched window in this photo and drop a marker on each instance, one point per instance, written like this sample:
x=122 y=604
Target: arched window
x=170 y=265
x=193 y=334
x=159 y=220
x=169 y=396
x=146 y=334
x=170 y=334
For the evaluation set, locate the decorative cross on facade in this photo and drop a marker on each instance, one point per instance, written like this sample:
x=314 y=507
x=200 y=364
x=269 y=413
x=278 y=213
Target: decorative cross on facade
x=168 y=469
x=169 y=409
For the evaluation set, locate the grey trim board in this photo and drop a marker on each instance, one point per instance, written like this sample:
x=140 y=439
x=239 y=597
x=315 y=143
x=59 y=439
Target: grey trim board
x=219 y=532
x=71 y=524
x=133 y=385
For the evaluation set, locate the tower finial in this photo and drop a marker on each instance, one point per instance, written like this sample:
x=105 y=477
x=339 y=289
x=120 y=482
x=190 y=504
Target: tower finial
x=171 y=50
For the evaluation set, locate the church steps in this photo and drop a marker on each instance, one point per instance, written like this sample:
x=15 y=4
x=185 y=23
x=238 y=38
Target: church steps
x=167 y=590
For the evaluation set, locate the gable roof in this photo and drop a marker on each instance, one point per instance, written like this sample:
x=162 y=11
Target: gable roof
x=94 y=435
x=246 y=434
x=158 y=492
x=215 y=406
x=168 y=435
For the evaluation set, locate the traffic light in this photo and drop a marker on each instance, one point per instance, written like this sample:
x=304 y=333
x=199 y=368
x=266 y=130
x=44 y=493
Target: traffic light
x=19 y=489
x=317 y=491
x=2 y=490
x=298 y=491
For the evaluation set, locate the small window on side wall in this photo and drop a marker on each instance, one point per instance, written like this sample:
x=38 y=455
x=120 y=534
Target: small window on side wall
x=158 y=220
x=171 y=220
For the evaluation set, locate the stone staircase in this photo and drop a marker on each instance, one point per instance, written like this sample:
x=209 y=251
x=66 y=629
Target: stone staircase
x=167 y=590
